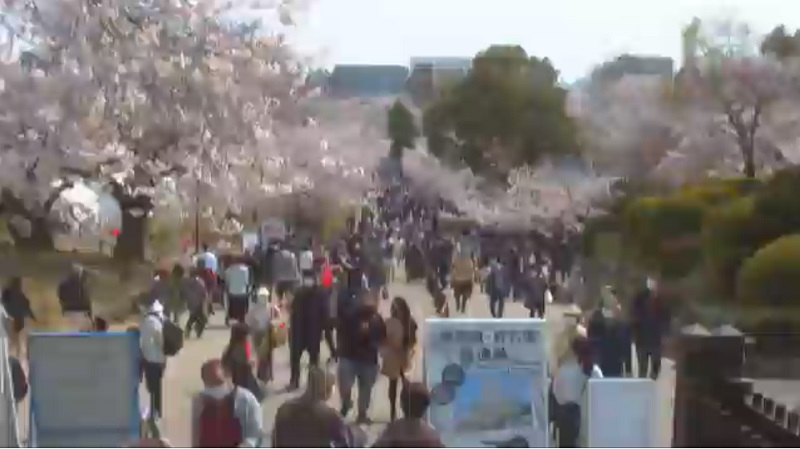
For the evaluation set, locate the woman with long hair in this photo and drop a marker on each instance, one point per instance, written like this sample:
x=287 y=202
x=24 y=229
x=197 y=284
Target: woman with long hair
x=237 y=360
x=398 y=351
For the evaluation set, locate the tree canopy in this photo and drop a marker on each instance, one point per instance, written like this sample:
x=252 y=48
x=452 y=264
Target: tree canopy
x=155 y=96
x=402 y=129
x=507 y=112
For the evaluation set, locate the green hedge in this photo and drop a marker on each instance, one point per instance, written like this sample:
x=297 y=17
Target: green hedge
x=770 y=279
x=732 y=232
x=650 y=225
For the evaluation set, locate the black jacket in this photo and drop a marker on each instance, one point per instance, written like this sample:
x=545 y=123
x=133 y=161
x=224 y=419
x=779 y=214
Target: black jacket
x=73 y=294
x=17 y=304
x=360 y=335
x=310 y=317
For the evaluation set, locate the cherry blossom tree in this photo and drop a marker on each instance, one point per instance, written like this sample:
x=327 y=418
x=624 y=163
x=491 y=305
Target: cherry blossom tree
x=133 y=93
x=734 y=98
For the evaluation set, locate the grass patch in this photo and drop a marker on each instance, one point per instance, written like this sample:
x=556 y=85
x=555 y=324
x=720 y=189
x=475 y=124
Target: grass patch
x=113 y=287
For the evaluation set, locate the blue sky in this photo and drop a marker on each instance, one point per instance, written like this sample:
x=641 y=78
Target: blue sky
x=575 y=34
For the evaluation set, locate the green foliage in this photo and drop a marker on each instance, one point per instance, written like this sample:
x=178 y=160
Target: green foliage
x=732 y=232
x=777 y=201
x=508 y=111
x=662 y=230
x=402 y=129
x=593 y=228
x=771 y=278
x=780 y=44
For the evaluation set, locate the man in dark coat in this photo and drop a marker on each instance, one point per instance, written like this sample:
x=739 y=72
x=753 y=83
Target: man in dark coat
x=650 y=318
x=73 y=293
x=309 y=319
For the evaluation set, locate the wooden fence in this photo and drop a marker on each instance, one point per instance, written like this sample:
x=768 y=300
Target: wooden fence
x=715 y=406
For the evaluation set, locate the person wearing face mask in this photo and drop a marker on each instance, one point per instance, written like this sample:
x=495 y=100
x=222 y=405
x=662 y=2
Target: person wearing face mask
x=650 y=318
x=609 y=336
x=309 y=320
x=224 y=415
x=360 y=335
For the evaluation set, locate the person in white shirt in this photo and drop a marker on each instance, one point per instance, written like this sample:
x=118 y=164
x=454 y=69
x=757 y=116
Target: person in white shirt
x=151 y=342
x=237 y=285
x=569 y=388
x=209 y=258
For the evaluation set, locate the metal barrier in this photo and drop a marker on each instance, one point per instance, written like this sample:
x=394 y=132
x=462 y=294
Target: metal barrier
x=715 y=406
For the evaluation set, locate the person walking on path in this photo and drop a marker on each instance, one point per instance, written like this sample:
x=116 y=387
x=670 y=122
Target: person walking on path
x=18 y=308
x=238 y=288
x=224 y=415
x=309 y=320
x=569 y=388
x=74 y=298
x=412 y=430
x=196 y=297
x=398 y=350
x=361 y=333
x=534 y=290
x=307 y=420
x=151 y=339
x=287 y=274
x=650 y=318
x=175 y=301
x=463 y=275
x=497 y=286
x=609 y=336
x=259 y=320
x=237 y=360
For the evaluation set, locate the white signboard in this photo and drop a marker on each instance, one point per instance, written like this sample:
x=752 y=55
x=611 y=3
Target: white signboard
x=84 y=389
x=273 y=229
x=488 y=381
x=249 y=242
x=621 y=413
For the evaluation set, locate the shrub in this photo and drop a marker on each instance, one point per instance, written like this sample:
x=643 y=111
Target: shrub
x=716 y=191
x=777 y=201
x=594 y=227
x=732 y=232
x=652 y=226
x=770 y=279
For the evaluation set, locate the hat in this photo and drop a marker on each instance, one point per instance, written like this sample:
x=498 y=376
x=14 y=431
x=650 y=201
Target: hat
x=306 y=261
x=156 y=307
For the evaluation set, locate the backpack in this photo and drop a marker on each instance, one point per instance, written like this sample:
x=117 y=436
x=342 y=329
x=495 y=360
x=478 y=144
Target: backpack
x=173 y=336
x=218 y=424
x=19 y=380
x=326 y=279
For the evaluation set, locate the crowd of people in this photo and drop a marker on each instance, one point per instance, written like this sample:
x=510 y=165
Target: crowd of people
x=297 y=294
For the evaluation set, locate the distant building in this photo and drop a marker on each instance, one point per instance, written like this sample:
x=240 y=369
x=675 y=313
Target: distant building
x=614 y=70
x=429 y=75
x=351 y=80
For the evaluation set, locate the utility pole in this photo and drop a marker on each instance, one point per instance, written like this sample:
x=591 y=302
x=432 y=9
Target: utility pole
x=197 y=216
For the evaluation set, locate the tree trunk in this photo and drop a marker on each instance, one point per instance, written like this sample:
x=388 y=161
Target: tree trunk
x=40 y=237
x=131 y=241
x=132 y=237
x=748 y=156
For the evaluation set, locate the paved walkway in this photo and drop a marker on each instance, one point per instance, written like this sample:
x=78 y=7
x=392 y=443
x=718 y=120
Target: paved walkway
x=183 y=373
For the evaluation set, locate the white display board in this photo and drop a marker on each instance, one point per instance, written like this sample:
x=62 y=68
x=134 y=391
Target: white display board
x=9 y=431
x=488 y=381
x=621 y=413
x=84 y=389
